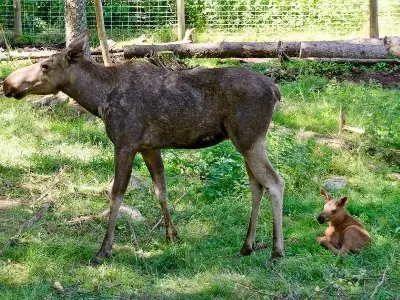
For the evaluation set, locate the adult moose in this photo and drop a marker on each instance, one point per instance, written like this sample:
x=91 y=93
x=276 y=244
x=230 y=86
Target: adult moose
x=146 y=108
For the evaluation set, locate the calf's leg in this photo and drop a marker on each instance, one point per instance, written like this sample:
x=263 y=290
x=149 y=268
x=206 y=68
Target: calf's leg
x=123 y=159
x=155 y=166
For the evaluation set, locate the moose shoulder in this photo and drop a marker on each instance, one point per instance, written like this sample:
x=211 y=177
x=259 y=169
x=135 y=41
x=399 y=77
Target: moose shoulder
x=146 y=108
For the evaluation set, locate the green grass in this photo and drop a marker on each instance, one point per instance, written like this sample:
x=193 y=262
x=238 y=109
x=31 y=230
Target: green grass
x=210 y=204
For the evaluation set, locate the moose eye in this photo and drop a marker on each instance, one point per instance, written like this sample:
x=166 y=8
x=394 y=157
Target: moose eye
x=334 y=211
x=45 y=68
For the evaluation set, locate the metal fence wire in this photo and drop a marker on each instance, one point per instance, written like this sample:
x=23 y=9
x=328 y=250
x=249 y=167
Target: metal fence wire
x=255 y=19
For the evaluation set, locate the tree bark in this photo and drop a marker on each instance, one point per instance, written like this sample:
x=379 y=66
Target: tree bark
x=345 y=49
x=218 y=50
x=17 y=19
x=349 y=49
x=373 y=19
x=180 y=7
x=75 y=20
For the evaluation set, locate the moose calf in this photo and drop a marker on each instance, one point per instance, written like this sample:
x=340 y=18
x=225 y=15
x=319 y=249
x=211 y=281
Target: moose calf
x=344 y=232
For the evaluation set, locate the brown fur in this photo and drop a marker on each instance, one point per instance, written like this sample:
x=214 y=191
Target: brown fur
x=146 y=108
x=344 y=232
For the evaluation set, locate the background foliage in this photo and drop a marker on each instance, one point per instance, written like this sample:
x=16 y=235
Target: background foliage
x=261 y=19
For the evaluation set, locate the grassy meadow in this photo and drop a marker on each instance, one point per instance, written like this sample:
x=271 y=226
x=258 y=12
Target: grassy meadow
x=61 y=154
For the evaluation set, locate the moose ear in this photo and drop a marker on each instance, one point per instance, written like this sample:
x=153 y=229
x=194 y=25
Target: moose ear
x=325 y=194
x=76 y=48
x=343 y=201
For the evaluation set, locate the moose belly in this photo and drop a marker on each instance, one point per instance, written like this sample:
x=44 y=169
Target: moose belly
x=183 y=139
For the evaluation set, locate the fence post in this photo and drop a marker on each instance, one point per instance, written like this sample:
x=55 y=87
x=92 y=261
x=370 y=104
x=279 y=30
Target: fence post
x=102 y=32
x=17 y=18
x=180 y=9
x=373 y=19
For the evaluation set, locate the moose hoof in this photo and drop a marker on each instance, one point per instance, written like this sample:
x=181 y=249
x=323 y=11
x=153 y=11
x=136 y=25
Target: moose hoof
x=96 y=261
x=172 y=237
x=99 y=258
x=246 y=250
x=274 y=258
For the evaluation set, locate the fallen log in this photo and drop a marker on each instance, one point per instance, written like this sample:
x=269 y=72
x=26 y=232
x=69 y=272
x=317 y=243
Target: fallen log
x=217 y=50
x=355 y=61
x=360 y=51
x=343 y=49
x=36 y=55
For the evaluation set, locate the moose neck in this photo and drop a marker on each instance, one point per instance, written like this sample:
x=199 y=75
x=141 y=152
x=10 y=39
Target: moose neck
x=340 y=220
x=89 y=85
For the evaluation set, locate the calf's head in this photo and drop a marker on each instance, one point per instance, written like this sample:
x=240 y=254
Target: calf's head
x=48 y=76
x=333 y=209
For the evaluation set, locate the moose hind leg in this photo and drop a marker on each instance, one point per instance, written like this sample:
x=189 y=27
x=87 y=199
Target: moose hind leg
x=259 y=164
x=123 y=168
x=256 y=193
x=155 y=166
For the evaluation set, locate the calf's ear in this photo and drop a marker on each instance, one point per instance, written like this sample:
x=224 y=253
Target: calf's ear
x=343 y=201
x=325 y=194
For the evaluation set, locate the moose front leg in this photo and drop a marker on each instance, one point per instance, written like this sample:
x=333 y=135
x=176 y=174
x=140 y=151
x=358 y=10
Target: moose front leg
x=326 y=242
x=123 y=159
x=155 y=166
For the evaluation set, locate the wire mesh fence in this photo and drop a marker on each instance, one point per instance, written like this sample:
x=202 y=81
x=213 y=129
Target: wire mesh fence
x=286 y=19
x=214 y=19
x=46 y=17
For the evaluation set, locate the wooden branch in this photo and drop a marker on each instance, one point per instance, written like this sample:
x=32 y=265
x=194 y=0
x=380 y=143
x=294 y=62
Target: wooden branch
x=353 y=129
x=3 y=35
x=28 y=224
x=379 y=284
x=36 y=55
x=128 y=211
x=154 y=228
x=258 y=291
x=342 y=119
x=29 y=55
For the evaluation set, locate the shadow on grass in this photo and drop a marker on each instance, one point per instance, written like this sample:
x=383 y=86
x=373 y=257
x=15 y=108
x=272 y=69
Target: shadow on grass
x=10 y=181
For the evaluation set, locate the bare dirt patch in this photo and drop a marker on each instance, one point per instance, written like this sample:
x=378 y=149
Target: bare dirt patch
x=388 y=79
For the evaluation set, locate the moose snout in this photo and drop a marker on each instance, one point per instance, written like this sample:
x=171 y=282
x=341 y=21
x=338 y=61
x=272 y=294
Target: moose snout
x=7 y=89
x=321 y=219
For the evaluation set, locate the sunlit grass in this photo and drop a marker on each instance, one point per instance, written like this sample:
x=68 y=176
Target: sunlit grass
x=67 y=157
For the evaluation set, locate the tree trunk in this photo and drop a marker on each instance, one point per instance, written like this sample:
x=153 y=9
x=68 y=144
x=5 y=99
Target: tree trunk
x=17 y=19
x=373 y=19
x=218 y=50
x=180 y=7
x=75 y=20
